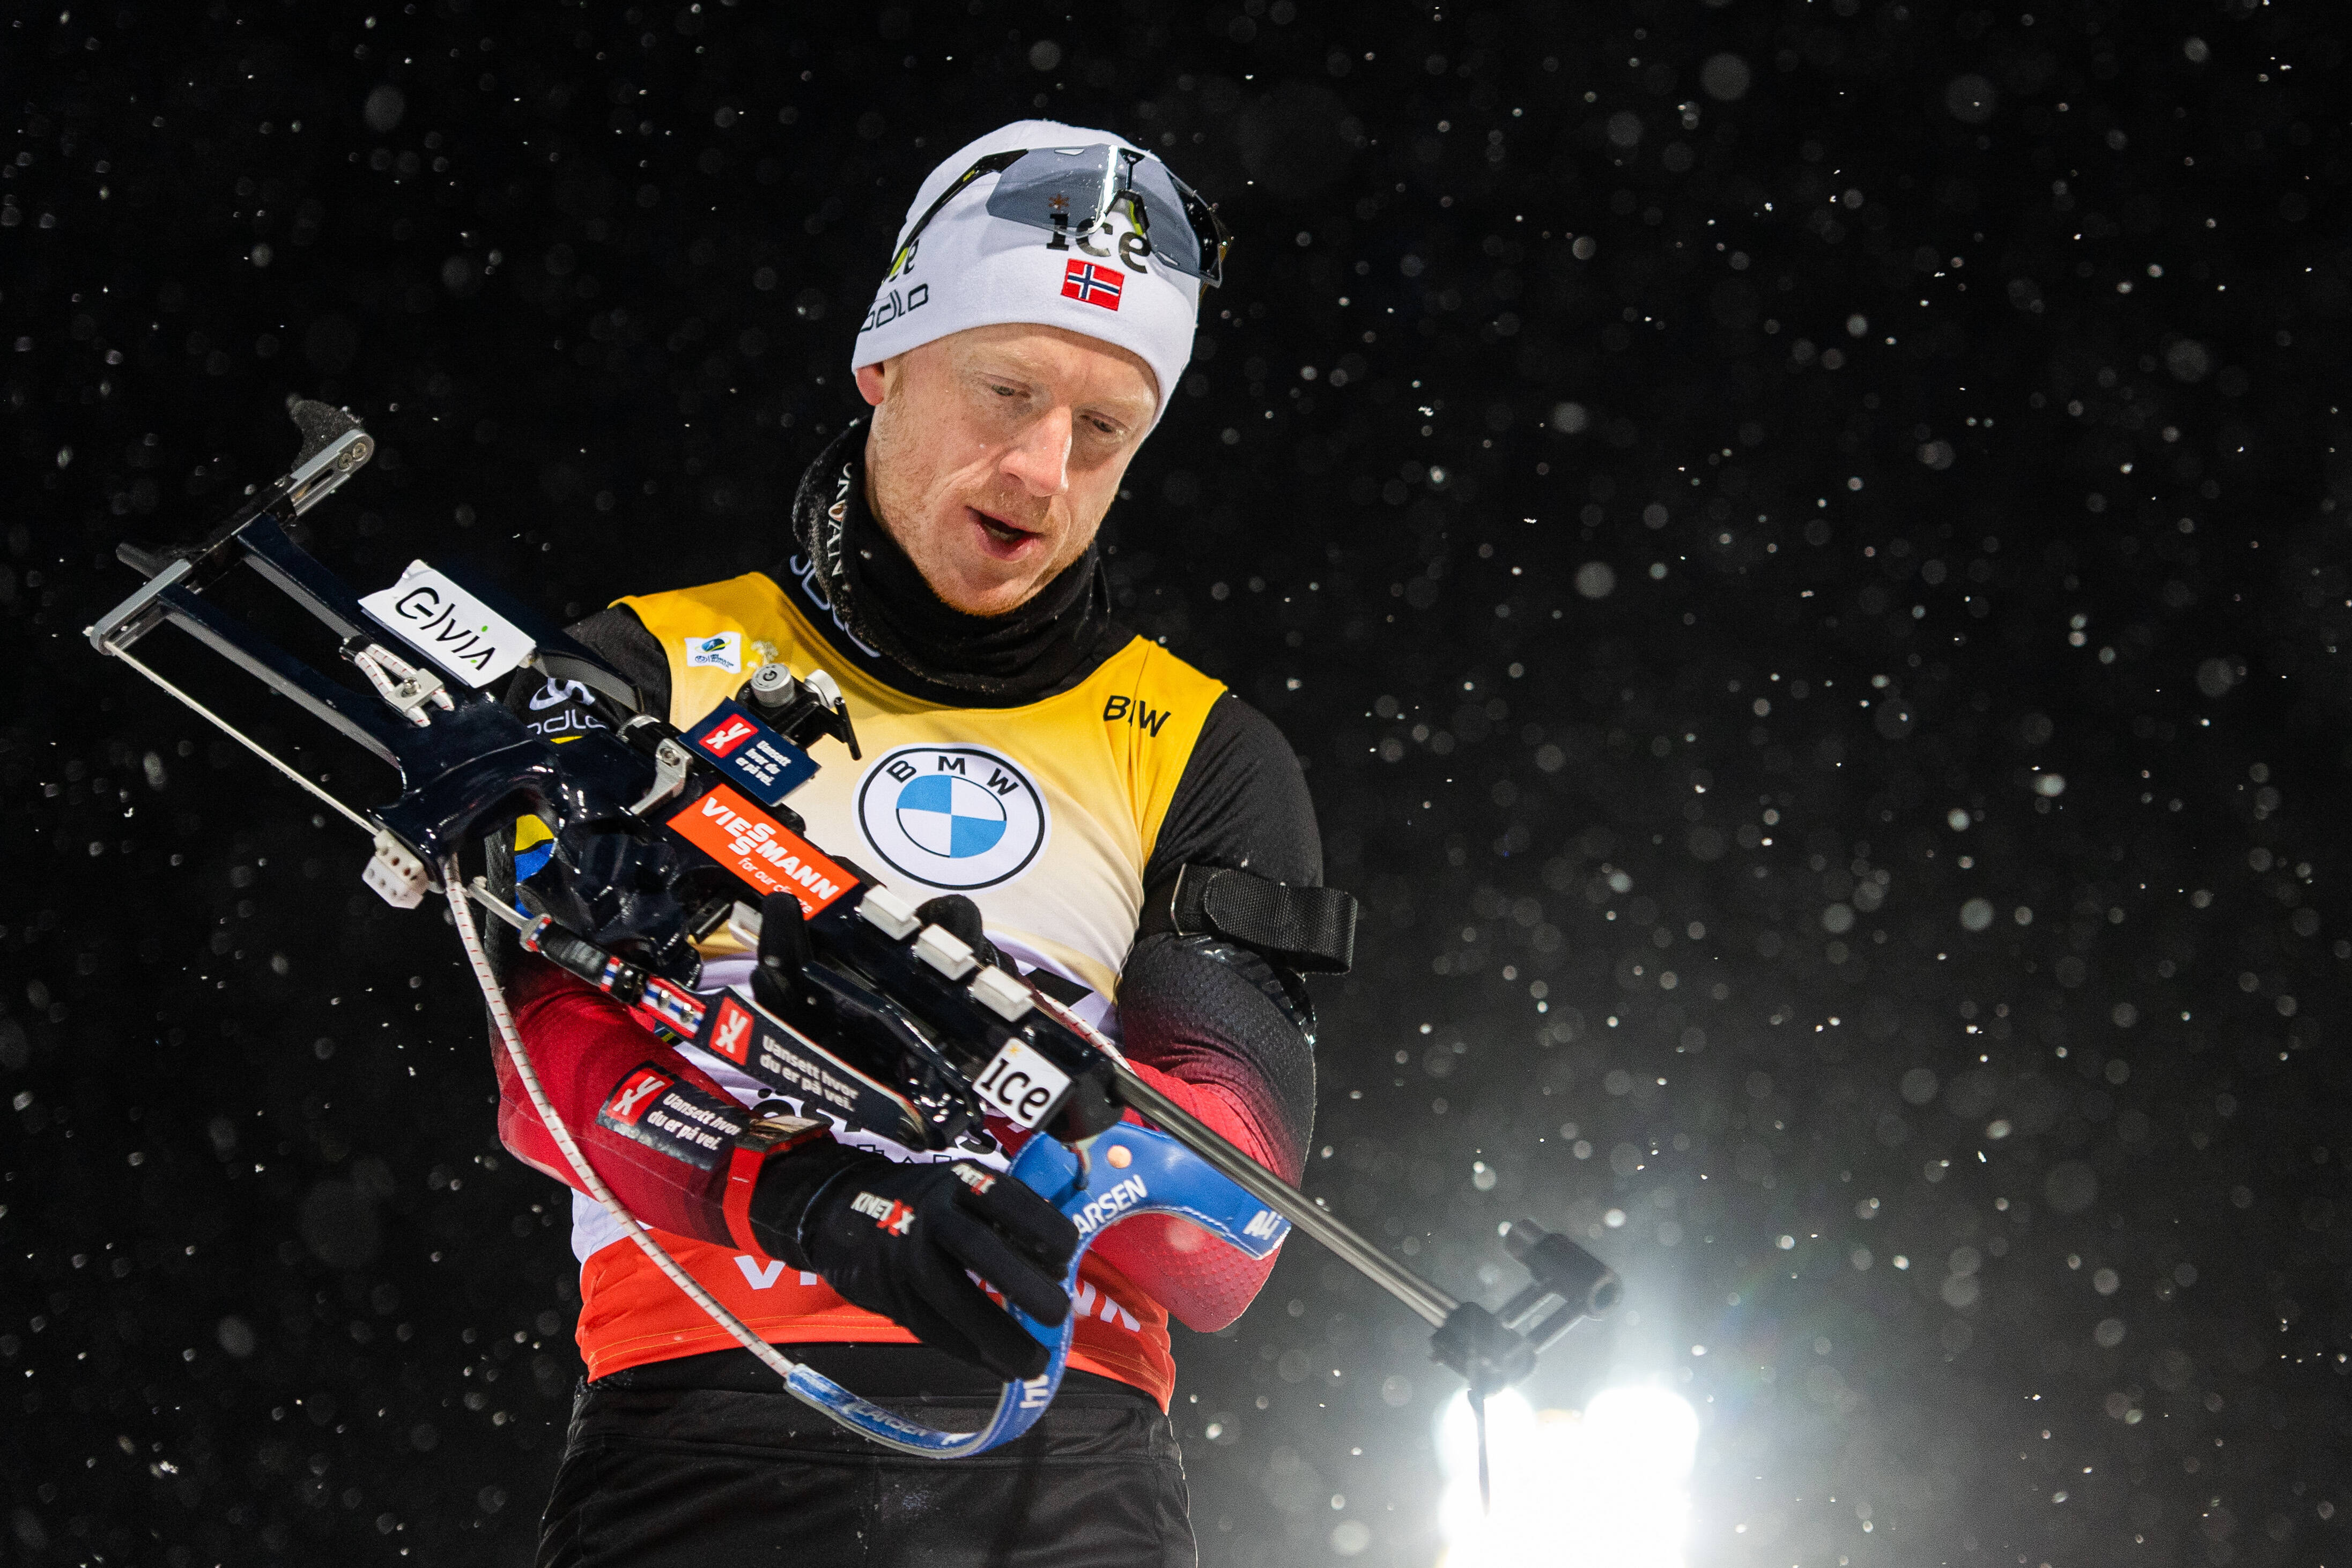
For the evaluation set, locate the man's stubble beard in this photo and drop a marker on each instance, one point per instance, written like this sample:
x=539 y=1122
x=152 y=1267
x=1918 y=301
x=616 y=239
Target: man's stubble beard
x=891 y=496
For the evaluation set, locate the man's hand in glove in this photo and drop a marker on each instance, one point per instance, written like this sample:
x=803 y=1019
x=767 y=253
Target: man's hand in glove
x=897 y=1239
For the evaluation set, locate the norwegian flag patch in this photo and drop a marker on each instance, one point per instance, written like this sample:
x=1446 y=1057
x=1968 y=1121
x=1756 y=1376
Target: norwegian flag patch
x=1095 y=285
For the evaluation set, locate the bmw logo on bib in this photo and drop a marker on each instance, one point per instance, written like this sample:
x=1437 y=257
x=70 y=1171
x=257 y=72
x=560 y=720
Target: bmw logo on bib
x=952 y=817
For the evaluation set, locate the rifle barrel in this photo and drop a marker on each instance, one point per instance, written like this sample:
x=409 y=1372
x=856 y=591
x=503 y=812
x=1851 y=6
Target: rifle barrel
x=1432 y=1304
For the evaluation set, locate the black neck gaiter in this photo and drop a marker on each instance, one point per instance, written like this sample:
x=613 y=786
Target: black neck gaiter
x=866 y=590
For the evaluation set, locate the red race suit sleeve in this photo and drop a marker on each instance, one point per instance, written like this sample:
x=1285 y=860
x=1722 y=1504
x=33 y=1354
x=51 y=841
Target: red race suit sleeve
x=657 y=1129
x=1203 y=1283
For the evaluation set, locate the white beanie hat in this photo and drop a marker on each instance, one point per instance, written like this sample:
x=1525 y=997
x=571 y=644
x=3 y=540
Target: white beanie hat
x=973 y=268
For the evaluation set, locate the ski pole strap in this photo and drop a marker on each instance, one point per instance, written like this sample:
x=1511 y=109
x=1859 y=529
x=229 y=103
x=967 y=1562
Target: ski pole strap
x=1310 y=929
x=1123 y=1171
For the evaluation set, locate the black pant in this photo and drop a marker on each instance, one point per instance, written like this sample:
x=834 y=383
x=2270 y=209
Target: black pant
x=705 y=1462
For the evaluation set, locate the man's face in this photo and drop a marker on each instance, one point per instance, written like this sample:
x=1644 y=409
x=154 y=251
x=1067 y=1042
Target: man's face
x=995 y=452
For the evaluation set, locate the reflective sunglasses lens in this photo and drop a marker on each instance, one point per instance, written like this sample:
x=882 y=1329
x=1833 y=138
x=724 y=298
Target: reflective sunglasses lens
x=1056 y=187
x=1070 y=189
x=1212 y=235
x=1184 y=232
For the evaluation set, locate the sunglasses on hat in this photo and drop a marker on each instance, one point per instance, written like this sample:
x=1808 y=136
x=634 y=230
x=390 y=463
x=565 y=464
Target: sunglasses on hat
x=1072 y=190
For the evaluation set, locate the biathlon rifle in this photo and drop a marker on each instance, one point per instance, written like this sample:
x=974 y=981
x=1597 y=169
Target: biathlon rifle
x=886 y=1025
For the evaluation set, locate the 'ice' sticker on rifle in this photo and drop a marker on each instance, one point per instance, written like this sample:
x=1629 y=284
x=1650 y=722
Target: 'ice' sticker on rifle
x=759 y=849
x=448 y=626
x=768 y=766
x=1021 y=1084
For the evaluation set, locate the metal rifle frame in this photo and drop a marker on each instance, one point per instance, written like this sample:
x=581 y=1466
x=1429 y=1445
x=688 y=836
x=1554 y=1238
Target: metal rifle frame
x=467 y=765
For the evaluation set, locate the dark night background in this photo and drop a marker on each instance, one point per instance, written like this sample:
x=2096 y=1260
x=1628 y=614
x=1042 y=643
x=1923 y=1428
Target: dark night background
x=1801 y=546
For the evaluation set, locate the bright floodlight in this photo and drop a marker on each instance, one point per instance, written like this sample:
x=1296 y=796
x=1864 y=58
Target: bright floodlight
x=1607 y=1489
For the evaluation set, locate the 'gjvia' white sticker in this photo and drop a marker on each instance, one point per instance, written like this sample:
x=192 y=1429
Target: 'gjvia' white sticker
x=448 y=626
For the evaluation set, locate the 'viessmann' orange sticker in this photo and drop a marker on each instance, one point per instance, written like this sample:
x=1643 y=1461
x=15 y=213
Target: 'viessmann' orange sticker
x=759 y=849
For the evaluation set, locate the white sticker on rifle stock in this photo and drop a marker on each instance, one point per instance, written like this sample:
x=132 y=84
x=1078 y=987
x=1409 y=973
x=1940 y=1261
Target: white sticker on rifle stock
x=448 y=626
x=1021 y=1084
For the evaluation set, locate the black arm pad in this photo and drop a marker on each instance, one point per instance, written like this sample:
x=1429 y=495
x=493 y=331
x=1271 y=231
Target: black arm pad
x=1308 y=929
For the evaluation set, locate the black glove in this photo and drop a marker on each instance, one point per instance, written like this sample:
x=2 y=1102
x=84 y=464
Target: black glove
x=960 y=917
x=896 y=1239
